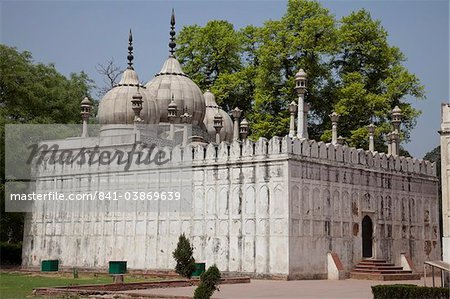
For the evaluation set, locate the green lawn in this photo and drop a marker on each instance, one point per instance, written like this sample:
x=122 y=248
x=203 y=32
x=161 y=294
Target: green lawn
x=20 y=285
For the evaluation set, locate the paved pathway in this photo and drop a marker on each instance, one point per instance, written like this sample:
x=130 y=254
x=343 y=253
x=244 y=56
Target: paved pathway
x=350 y=288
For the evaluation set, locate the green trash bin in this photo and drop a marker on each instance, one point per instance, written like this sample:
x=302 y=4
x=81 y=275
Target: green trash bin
x=49 y=265
x=117 y=267
x=199 y=269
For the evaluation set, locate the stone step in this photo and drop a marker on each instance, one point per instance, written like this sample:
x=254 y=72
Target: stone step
x=386 y=266
x=373 y=260
x=382 y=271
x=374 y=263
x=375 y=266
x=378 y=269
x=385 y=277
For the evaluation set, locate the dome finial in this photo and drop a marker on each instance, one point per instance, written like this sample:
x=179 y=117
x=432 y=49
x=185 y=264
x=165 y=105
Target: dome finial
x=130 y=56
x=172 y=43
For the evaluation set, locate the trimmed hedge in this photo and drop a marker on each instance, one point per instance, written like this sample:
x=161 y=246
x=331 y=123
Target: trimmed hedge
x=10 y=254
x=408 y=291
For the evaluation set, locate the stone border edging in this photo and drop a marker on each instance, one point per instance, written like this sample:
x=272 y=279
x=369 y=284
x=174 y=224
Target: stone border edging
x=109 y=289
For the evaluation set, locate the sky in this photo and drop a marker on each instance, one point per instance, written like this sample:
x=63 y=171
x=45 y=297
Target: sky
x=78 y=35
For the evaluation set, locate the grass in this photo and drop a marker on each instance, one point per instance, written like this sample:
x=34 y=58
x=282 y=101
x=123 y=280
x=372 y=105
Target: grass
x=20 y=285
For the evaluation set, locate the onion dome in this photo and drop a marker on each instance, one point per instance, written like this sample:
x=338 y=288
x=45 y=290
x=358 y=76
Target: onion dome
x=212 y=109
x=86 y=101
x=116 y=106
x=172 y=81
x=301 y=74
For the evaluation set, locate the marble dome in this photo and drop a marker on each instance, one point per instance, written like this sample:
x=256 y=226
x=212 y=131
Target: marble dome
x=116 y=108
x=170 y=82
x=226 y=133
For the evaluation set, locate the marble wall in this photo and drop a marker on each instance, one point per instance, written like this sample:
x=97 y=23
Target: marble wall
x=271 y=207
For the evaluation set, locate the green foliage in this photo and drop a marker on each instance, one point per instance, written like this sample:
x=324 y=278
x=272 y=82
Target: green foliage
x=234 y=89
x=20 y=285
x=11 y=224
x=302 y=38
x=11 y=254
x=409 y=291
x=33 y=93
x=37 y=93
x=209 y=51
x=183 y=255
x=435 y=156
x=372 y=80
x=352 y=69
x=209 y=282
x=213 y=56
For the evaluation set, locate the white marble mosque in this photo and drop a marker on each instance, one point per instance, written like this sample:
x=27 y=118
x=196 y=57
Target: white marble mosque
x=267 y=208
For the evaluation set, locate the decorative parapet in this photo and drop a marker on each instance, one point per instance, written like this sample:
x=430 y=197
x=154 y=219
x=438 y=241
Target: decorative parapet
x=285 y=148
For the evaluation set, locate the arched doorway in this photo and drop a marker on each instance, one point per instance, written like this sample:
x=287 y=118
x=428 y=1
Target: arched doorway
x=367 y=234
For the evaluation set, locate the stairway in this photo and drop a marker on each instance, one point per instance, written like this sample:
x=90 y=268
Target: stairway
x=378 y=269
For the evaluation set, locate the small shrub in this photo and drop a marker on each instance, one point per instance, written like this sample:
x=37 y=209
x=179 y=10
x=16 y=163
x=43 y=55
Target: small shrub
x=183 y=255
x=209 y=282
x=408 y=291
x=10 y=254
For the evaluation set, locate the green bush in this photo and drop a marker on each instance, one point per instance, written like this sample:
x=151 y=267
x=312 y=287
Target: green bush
x=183 y=255
x=209 y=281
x=408 y=291
x=10 y=254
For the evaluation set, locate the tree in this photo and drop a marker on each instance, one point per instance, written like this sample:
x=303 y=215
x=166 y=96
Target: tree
x=33 y=93
x=209 y=282
x=208 y=52
x=213 y=58
x=352 y=69
x=110 y=73
x=372 y=80
x=183 y=255
x=305 y=36
x=37 y=93
x=435 y=156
